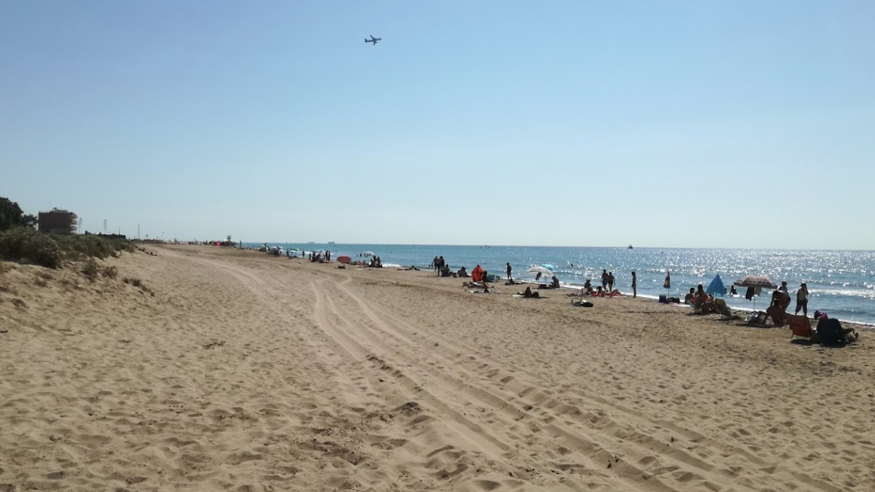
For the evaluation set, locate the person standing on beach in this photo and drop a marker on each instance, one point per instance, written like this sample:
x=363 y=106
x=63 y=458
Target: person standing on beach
x=509 y=269
x=434 y=264
x=604 y=279
x=634 y=285
x=802 y=299
x=610 y=281
x=783 y=287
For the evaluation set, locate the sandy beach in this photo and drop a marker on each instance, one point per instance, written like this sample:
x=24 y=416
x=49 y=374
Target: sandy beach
x=234 y=370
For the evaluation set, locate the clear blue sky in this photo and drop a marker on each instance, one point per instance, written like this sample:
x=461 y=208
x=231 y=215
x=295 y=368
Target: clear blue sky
x=591 y=123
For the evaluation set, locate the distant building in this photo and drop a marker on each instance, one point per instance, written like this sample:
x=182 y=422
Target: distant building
x=57 y=221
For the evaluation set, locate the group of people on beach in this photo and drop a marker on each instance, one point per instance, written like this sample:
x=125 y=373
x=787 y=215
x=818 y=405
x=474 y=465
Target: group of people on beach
x=440 y=266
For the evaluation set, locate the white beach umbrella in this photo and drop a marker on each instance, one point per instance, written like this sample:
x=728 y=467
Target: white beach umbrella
x=368 y=253
x=539 y=269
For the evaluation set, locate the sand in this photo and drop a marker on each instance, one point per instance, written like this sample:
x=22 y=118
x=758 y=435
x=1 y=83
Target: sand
x=246 y=372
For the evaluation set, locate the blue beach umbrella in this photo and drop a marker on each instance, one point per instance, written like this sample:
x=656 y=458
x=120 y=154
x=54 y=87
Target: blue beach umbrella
x=549 y=267
x=716 y=287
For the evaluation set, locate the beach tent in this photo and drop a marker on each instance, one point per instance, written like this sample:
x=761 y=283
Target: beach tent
x=716 y=288
x=477 y=273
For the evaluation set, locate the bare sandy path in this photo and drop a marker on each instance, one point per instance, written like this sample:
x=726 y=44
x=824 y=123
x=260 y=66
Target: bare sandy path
x=247 y=372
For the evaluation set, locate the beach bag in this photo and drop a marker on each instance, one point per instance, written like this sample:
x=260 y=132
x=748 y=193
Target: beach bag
x=829 y=331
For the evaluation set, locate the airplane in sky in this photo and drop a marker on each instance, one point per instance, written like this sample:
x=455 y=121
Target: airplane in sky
x=373 y=40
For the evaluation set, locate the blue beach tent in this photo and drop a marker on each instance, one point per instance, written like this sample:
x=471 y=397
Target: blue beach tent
x=716 y=288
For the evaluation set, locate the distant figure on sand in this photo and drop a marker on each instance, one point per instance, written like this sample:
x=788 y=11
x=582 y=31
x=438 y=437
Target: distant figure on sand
x=783 y=287
x=610 y=281
x=690 y=298
x=587 y=287
x=778 y=309
x=703 y=300
x=604 y=279
x=802 y=299
x=634 y=285
x=528 y=293
x=509 y=270
x=555 y=284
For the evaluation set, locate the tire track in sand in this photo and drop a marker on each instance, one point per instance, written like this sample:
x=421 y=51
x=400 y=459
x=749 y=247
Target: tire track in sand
x=681 y=466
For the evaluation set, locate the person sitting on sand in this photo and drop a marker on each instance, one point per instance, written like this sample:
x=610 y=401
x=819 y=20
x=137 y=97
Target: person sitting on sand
x=703 y=300
x=528 y=293
x=463 y=272
x=732 y=291
x=587 y=287
x=690 y=298
x=555 y=283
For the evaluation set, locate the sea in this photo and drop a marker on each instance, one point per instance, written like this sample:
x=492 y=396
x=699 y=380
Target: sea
x=840 y=283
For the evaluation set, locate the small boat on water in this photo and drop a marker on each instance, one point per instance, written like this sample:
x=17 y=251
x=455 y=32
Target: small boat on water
x=630 y=246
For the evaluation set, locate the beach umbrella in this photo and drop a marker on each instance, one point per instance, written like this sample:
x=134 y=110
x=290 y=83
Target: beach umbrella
x=549 y=267
x=368 y=253
x=295 y=249
x=539 y=269
x=344 y=259
x=716 y=287
x=756 y=282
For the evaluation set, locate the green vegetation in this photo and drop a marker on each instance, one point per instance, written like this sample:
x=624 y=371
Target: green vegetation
x=24 y=243
x=11 y=215
x=52 y=250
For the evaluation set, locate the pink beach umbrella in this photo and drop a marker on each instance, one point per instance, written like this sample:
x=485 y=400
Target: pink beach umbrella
x=755 y=281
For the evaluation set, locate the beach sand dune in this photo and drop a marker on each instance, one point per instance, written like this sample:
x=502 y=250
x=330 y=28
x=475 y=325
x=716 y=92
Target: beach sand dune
x=233 y=370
